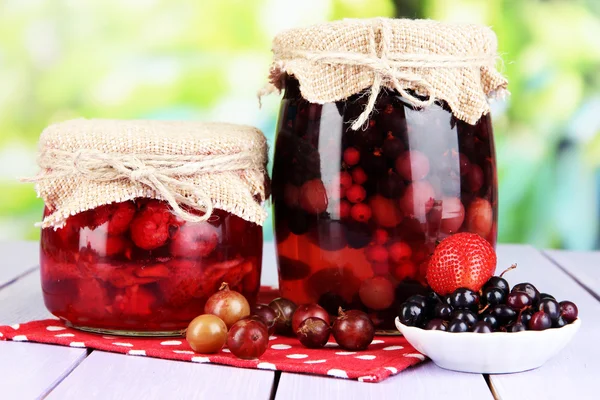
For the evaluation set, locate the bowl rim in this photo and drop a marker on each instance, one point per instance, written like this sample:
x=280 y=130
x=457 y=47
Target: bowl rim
x=573 y=325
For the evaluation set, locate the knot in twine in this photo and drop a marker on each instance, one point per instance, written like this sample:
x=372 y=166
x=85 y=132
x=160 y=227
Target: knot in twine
x=389 y=68
x=162 y=174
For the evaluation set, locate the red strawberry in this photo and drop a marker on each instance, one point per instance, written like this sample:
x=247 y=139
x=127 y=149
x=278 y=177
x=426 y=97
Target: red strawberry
x=135 y=301
x=150 y=227
x=463 y=260
x=194 y=240
x=116 y=216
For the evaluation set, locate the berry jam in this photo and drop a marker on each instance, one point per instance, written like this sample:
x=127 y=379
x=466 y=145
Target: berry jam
x=135 y=268
x=358 y=213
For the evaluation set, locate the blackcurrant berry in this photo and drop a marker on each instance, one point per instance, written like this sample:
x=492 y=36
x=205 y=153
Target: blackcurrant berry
x=550 y=307
x=465 y=299
x=457 y=325
x=443 y=311
x=436 y=325
x=559 y=323
x=530 y=290
x=516 y=327
x=493 y=296
x=569 y=311
x=482 y=327
x=466 y=316
x=540 y=321
x=503 y=313
x=497 y=282
x=518 y=300
x=411 y=314
x=490 y=319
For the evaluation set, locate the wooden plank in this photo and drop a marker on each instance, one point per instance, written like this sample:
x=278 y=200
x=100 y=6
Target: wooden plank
x=572 y=373
x=425 y=381
x=583 y=266
x=114 y=376
x=269 y=266
x=31 y=370
x=18 y=258
x=22 y=301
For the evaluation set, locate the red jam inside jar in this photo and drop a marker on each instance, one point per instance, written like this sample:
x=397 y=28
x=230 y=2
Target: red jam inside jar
x=358 y=213
x=135 y=268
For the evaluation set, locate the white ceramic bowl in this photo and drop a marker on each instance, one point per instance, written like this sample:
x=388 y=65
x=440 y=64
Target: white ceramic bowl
x=489 y=353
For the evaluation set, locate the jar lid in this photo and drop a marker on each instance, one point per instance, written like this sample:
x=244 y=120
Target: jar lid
x=195 y=166
x=423 y=60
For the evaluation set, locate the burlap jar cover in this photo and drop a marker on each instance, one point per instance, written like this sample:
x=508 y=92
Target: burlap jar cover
x=437 y=61
x=193 y=166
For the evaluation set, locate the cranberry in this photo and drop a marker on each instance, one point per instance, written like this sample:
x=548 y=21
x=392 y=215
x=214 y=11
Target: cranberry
x=569 y=311
x=266 y=314
x=345 y=208
x=406 y=270
x=206 y=334
x=313 y=332
x=412 y=165
x=385 y=212
x=248 y=339
x=313 y=196
x=359 y=176
x=453 y=215
x=345 y=180
x=361 y=212
x=351 y=156
x=356 y=194
x=418 y=199
x=380 y=268
x=475 y=178
x=480 y=217
x=284 y=309
x=150 y=227
x=305 y=311
x=381 y=236
x=399 y=251
x=228 y=305
x=377 y=254
x=377 y=293
x=353 y=330
x=291 y=195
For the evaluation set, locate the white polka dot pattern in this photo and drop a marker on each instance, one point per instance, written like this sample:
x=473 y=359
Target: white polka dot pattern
x=366 y=357
x=122 y=344
x=53 y=328
x=20 y=338
x=15 y=326
x=297 y=356
x=266 y=365
x=281 y=347
x=314 y=361
x=345 y=353
x=377 y=341
x=183 y=352
x=393 y=348
x=200 y=359
x=137 y=352
x=77 y=344
x=64 y=335
x=171 y=343
x=393 y=370
x=338 y=373
x=416 y=355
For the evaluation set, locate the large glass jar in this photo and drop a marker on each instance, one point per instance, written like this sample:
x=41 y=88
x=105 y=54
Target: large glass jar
x=135 y=268
x=359 y=212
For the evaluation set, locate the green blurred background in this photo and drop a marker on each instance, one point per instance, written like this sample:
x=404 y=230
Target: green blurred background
x=188 y=59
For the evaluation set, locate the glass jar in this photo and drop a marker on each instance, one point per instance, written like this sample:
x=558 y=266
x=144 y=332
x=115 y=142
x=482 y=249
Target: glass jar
x=134 y=268
x=359 y=212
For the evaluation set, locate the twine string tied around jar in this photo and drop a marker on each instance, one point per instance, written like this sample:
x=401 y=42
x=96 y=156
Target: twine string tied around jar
x=160 y=173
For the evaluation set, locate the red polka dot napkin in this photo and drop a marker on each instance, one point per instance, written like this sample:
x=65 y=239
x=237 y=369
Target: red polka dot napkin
x=386 y=356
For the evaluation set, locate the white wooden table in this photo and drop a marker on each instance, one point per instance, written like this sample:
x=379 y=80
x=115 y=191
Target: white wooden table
x=30 y=370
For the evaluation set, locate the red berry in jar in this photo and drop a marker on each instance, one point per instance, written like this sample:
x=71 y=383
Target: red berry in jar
x=385 y=211
x=399 y=251
x=351 y=156
x=305 y=311
x=356 y=194
x=248 y=339
x=381 y=236
x=194 y=240
x=475 y=178
x=464 y=165
x=313 y=197
x=406 y=270
x=345 y=208
x=150 y=227
x=345 y=180
x=418 y=199
x=412 y=165
x=360 y=212
x=116 y=216
x=291 y=195
x=392 y=147
x=353 y=330
x=480 y=217
x=359 y=176
x=377 y=254
x=377 y=293
x=453 y=215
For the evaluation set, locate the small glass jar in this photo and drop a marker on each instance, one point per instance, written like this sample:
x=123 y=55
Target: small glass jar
x=135 y=268
x=359 y=212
